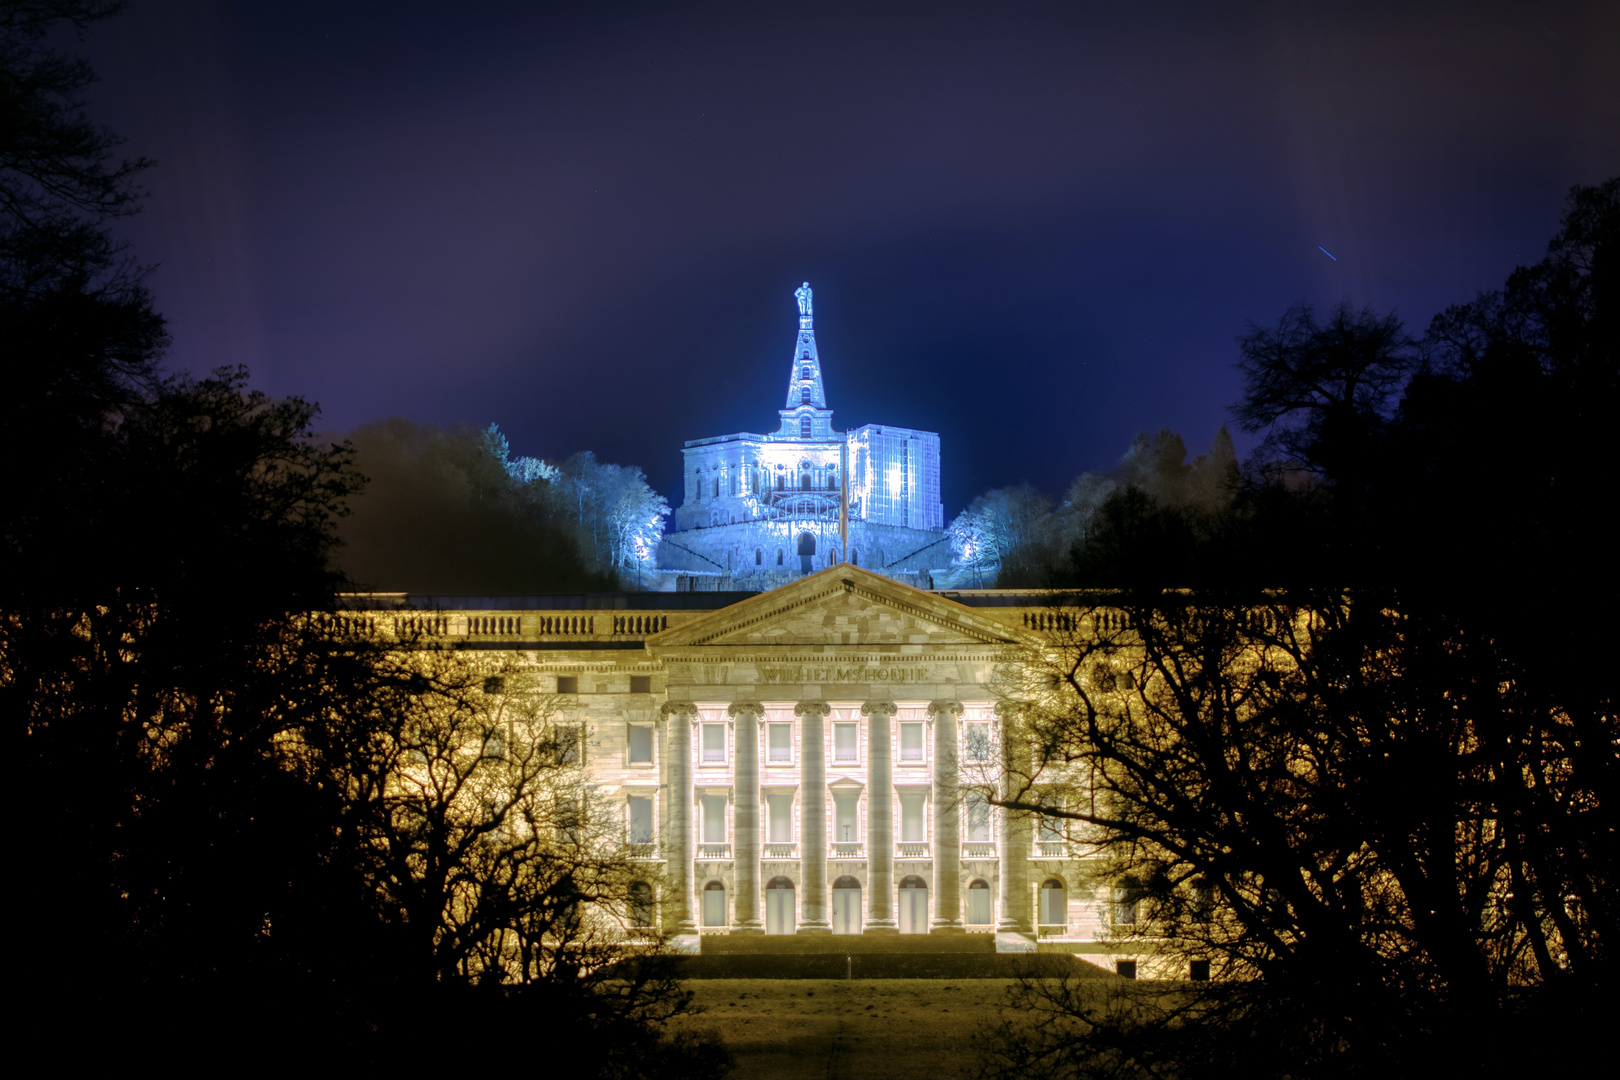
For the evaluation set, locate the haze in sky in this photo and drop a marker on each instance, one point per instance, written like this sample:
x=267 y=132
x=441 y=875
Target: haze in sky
x=1033 y=228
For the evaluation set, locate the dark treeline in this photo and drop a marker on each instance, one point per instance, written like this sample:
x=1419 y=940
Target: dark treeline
x=245 y=837
x=1351 y=741
x=450 y=511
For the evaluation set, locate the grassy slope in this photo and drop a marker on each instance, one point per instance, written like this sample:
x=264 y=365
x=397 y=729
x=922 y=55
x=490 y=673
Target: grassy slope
x=883 y=1029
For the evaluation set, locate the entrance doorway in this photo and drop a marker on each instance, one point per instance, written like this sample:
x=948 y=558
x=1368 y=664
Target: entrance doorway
x=913 y=905
x=779 y=906
x=846 y=906
x=714 y=904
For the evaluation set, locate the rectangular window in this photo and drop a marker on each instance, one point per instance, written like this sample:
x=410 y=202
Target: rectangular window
x=714 y=744
x=976 y=742
x=1198 y=970
x=714 y=819
x=570 y=746
x=1125 y=969
x=641 y=819
x=913 y=827
x=495 y=684
x=641 y=744
x=568 y=684
x=978 y=818
x=846 y=824
x=641 y=684
x=846 y=742
x=911 y=742
x=780 y=750
x=781 y=818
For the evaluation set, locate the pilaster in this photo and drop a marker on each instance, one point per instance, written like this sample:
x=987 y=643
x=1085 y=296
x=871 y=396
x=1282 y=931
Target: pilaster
x=678 y=840
x=813 y=814
x=1017 y=903
x=745 y=738
x=880 y=817
x=947 y=822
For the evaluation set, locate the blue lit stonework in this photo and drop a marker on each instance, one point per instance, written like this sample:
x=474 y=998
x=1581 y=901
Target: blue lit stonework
x=760 y=509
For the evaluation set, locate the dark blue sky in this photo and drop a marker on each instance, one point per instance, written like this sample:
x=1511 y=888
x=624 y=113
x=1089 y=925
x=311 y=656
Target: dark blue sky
x=1033 y=228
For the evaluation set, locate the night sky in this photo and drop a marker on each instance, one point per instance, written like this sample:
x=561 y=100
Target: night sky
x=1035 y=229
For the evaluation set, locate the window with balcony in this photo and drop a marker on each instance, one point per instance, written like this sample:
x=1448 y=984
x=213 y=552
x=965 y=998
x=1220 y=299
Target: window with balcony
x=978 y=818
x=639 y=814
x=714 y=744
x=779 y=827
x=641 y=744
x=714 y=819
x=846 y=820
x=976 y=742
x=911 y=743
x=846 y=743
x=779 y=744
x=913 y=821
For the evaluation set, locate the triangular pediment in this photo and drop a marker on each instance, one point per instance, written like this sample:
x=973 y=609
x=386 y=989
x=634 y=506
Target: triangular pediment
x=844 y=606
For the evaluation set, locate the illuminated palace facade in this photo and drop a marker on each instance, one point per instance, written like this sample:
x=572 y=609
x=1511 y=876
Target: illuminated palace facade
x=760 y=510
x=802 y=760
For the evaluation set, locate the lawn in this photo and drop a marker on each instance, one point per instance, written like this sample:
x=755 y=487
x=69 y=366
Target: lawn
x=882 y=1029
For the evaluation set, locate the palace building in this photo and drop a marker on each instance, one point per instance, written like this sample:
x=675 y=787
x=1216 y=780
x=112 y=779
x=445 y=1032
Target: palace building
x=799 y=761
x=762 y=509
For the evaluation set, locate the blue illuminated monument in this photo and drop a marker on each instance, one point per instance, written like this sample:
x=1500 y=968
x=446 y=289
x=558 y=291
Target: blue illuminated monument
x=760 y=510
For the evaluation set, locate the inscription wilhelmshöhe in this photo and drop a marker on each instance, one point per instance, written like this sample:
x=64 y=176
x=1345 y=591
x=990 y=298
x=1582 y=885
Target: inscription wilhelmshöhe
x=843 y=674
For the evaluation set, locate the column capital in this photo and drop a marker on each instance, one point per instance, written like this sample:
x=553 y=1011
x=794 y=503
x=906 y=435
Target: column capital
x=1010 y=710
x=812 y=708
x=953 y=708
x=879 y=708
x=745 y=708
x=671 y=709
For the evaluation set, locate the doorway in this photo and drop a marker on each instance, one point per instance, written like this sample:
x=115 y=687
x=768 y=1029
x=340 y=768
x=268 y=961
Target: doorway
x=779 y=906
x=846 y=914
x=913 y=905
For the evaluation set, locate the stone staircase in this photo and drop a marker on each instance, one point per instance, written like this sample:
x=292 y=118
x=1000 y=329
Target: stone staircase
x=861 y=956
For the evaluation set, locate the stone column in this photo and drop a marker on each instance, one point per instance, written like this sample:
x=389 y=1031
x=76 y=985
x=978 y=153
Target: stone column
x=880 y=816
x=813 y=815
x=1017 y=914
x=678 y=838
x=745 y=716
x=947 y=822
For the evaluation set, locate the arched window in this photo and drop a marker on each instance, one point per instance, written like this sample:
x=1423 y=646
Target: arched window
x=804 y=427
x=804 y=394
x=779 y=906
x=913 y=905
x=805 y=374
x=978 y=906
x=778 y=556
x=1054 y=903
x=714 y=904
x=641 y=904
x=832 y=479
x=781 y=479
x=805 y=483
x=846 y=908
x=854 y=557
x=759 y=556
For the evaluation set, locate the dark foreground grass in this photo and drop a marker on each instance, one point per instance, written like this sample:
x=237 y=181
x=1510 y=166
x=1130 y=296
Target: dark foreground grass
x=861 y=1029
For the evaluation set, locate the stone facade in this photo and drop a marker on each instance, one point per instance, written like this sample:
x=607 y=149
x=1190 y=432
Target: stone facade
x=762 y=509
x=810 y=752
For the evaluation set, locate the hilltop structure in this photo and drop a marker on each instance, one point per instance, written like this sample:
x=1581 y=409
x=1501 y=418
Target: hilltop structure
x=763 y=509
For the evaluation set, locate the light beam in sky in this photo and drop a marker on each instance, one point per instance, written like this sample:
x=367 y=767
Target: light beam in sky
x=1326 y=252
